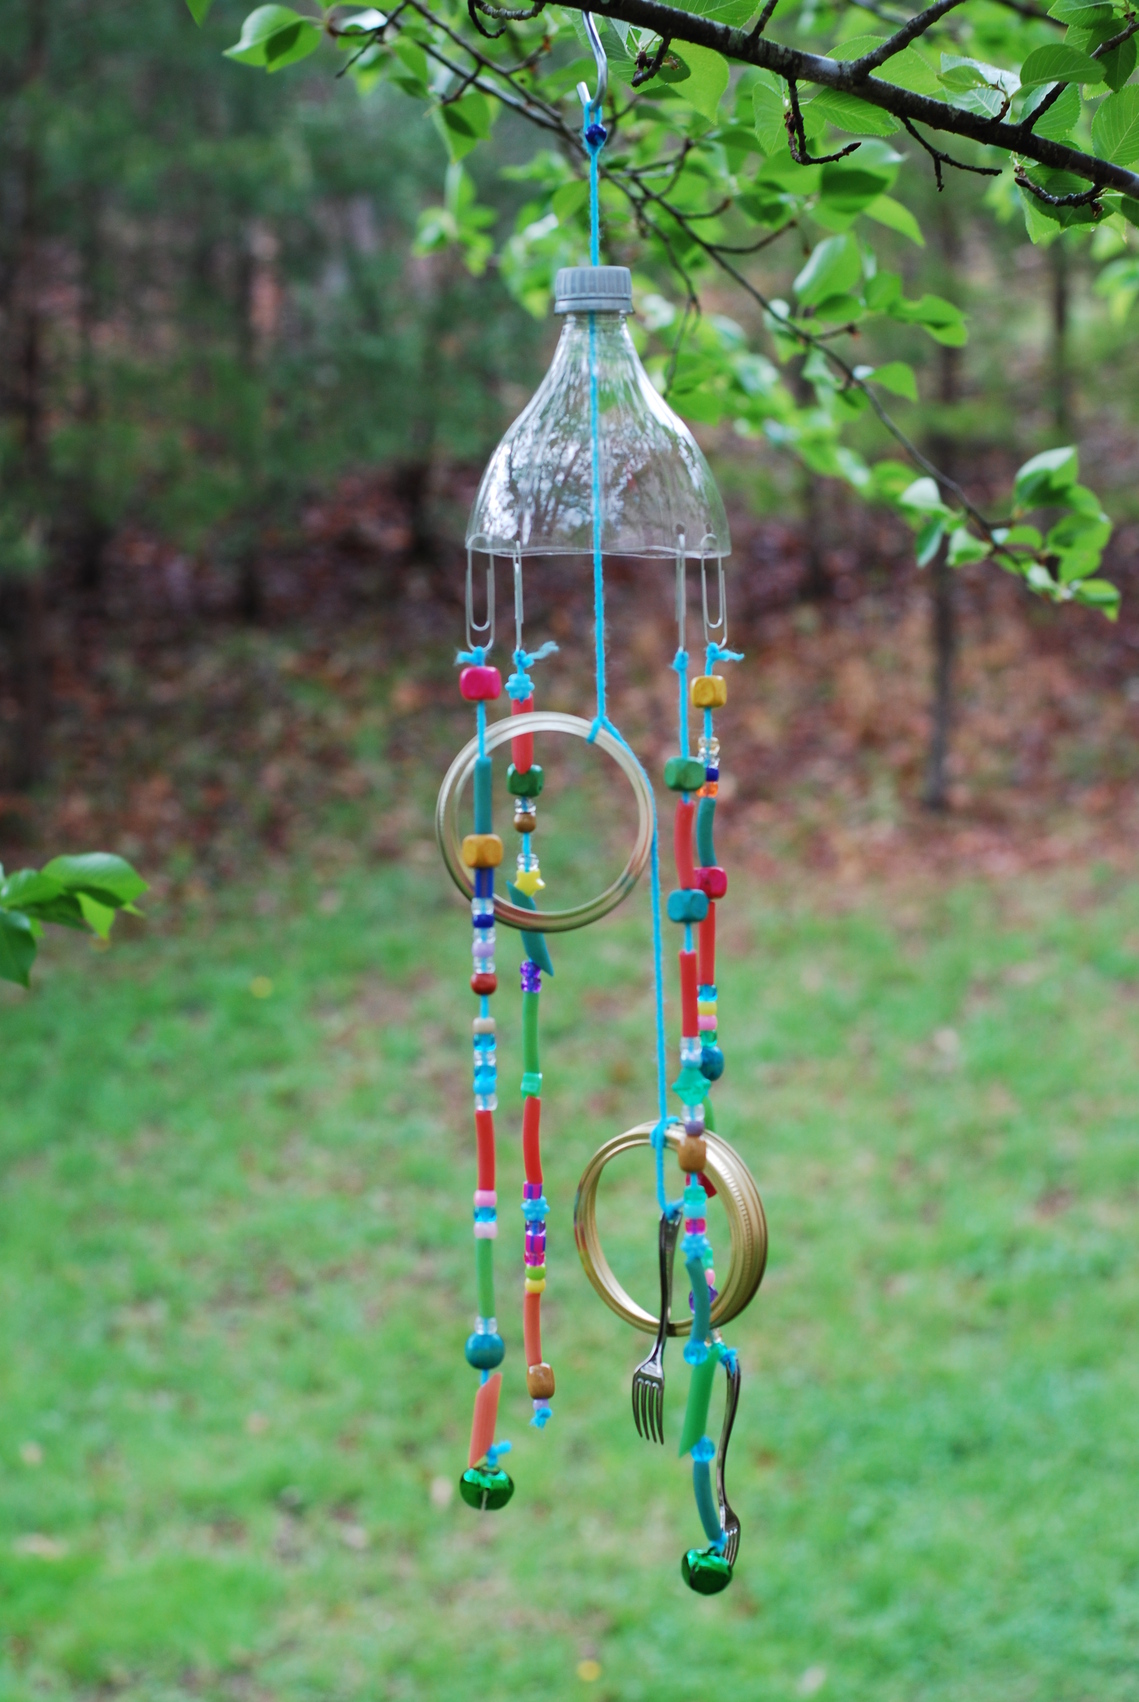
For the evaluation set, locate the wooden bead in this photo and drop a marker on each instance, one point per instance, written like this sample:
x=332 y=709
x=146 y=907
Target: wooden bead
x=480 y=684
x=540 y=1382
x=692 y=1154
x=709 y=691
x=482 y=850
x=484 y=981
x=525 y=821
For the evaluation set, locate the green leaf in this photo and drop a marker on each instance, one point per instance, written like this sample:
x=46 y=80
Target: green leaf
x=834 y=266
x=199 y=10
x=1119 y=63
x=707 y=82
x=889 y=479
x=909 y=70
x=886 y=211
x=922 y=497
x=928 y=540
x=1082 y=13
x=275 y=36
x=464 y=123
x=98 y=917
x=944 y=322
x=1099 y=594
x=1115 y=127
x=767 y=105
x=1059 y=63
x=100 y=874
x=965 y=548
x=898 y=379
x=28 y=887
x=1046 y=479
x=847 y=112
x=1062 y=116
x=17 y=947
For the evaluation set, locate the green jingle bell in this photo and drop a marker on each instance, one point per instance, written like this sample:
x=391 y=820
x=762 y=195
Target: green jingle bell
x=487 y=1490
x=705 y=1571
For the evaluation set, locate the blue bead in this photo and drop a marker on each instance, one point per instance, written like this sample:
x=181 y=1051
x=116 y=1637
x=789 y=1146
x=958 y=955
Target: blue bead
x=483 y=921
x=687 y=904
x=484 y=1352
x=712 y=1063
x=534 y=1210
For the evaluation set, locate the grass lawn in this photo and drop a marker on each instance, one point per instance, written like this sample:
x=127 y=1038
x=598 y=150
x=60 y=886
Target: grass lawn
x=236 y=1276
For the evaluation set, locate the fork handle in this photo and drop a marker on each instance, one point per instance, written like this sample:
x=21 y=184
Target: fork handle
x=733 y=1400
x=666 y=1244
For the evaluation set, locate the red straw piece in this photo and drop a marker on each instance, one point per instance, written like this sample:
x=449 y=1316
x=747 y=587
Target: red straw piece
x=708 y=1187
x=485 y=1418
x=532 y=1328
x=522 y=748
x=682 y=841
x=531 y=1145
x=689 y=1017
x=708 y=949
x=484 y=1132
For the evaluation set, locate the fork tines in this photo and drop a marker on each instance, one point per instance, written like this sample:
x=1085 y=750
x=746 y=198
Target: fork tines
x=648 y=1405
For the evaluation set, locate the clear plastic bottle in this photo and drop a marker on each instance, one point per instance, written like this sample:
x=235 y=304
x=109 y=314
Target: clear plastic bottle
x=657 y=490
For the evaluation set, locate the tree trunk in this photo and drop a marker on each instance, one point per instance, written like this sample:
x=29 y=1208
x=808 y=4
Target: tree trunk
x=943 y=589
x=1061 y=375
x=92 y=531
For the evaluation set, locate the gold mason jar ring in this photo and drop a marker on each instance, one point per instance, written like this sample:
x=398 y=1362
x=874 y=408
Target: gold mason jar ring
x=447 y=820
x=746 y=1222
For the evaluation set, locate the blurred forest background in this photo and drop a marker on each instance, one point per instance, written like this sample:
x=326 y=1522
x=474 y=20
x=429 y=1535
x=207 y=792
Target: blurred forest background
x=240 y=424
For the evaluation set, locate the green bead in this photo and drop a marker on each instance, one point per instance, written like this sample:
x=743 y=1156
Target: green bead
x=484 y=774
x=488 y=1490
x=705 y=1571
x=529 y=784
x=684 y=774
x=705 y=845
x=690 y=1088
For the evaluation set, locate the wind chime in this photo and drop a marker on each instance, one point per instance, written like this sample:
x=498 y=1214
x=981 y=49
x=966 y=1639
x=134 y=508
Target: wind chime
x=598 y=465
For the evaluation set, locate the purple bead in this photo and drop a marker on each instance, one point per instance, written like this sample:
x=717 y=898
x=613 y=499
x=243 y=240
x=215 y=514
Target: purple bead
x=531 y=977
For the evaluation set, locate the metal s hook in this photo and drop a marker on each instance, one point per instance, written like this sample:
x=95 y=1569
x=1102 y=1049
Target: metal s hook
x=715 y=631
x=681 y=593
x=593 y=103
x=517 y=598
x=480 y=634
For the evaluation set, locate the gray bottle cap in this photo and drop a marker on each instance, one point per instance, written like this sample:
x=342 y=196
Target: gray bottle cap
x=594 y=289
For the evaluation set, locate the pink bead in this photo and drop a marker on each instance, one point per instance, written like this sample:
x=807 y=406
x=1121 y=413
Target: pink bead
x=707 y=1024
x=712 y=881
x=478 y=685
x=485 y=1197
x=486 y=1232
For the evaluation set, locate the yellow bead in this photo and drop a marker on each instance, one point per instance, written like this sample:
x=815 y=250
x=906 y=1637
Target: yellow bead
x=529 y=881
x=709 y=691
x=482 y=850
x=704 y=1007
x=533 y=1287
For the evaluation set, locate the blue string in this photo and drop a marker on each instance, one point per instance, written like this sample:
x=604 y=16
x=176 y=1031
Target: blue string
x=520 y=685
x=718 y=653
x=594 y=137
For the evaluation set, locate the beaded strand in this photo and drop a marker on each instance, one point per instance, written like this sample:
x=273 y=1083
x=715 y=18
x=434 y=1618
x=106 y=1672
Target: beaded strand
x=484 y=1484
x=524 y=780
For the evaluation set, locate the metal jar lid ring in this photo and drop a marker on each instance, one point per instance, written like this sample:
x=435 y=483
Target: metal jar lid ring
x=746 y=1222
x=459 y=773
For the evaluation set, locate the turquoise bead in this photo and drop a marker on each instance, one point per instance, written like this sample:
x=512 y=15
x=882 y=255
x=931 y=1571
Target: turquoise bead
x=484 y=1352
x=705 y=822
x=705 y=1571
x=687 y=904
x=684 y=774
x=484 y=775
x=526 y=785
x=690 y=1086
x=487 y=1490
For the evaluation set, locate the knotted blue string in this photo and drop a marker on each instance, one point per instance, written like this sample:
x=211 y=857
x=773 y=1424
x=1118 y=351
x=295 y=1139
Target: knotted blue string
x=520 y=686
x=594 y=136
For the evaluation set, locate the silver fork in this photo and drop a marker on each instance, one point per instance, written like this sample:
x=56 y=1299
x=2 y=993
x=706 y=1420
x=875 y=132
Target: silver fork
x=648 y=1378
x=729 y=1521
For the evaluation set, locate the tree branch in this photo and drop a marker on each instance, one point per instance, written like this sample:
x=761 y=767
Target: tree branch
x=861 y=67
x=793 y=64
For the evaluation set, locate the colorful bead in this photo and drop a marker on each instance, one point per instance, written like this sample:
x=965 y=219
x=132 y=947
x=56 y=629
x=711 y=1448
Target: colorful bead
x=482 y=850
x=712 y=1063
x=540 y=1382
x=529 y=880
x=709 y=691
x=713 y=881
x=683 y=773
x=687 y=904
x=484 y=982
x=485 y=1197
x=485 y=1351
x=483 y=1025
x=486 y=1231
x=525 y=783
x=480 y=684
x=487 y=1491
x=525 y=821
x=691 y=1087
x=692 y=1154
